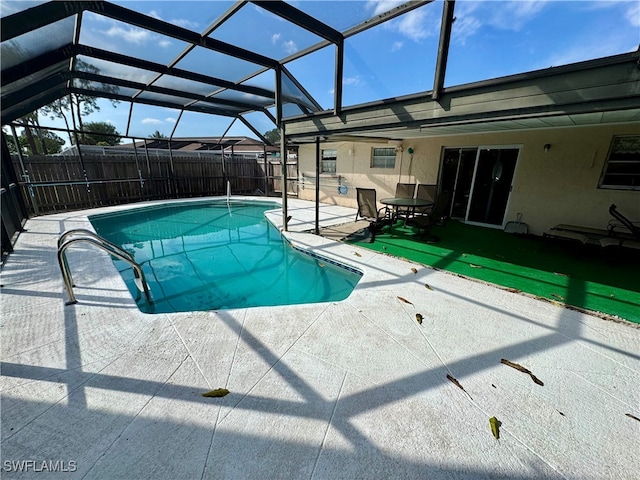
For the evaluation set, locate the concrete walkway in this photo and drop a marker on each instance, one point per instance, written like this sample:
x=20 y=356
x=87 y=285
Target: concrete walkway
x=352 y=389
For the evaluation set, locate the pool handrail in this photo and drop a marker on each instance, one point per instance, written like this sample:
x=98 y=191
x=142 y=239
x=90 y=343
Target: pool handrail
x=111 y=248
x=84 y=231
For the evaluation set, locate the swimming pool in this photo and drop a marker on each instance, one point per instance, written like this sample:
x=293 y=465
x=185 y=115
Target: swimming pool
x=215 y=255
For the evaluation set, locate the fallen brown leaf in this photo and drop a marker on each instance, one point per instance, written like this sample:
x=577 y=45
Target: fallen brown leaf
x=457 y=384
x=495 y=427
x=523 y=370
x=427 y=286
x=405 y=300
x=218 y=392
x=455 y=381
x=419 y=318
x=414 y=270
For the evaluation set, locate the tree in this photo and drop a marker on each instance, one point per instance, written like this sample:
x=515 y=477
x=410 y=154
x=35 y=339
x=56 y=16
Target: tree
x=11 y=143
x=100 y=133
x=157 y=134
x=80 y=104
x=31 y=120
x=37 y=140
x=49 y=141
x=45 y=142
x=273 y=136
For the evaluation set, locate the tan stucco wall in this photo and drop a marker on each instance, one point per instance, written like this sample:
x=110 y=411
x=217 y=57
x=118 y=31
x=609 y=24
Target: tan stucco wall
x=559 y=186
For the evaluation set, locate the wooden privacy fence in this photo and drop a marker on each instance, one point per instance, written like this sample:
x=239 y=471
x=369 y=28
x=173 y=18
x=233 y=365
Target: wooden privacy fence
x=57 y=183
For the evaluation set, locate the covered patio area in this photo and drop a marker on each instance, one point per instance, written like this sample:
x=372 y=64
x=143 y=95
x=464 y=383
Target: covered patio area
x=603 y=281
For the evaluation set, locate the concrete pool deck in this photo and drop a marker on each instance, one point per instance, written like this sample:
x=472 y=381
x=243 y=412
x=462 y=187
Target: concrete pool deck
x=350 y=389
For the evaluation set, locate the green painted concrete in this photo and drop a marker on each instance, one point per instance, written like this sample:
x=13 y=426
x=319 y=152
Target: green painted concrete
x=587 y=277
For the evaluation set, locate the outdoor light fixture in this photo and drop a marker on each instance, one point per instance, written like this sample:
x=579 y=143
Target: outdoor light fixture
x=547 y=147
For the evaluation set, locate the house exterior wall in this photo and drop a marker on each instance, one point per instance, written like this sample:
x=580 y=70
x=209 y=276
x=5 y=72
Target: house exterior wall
x=558 y=186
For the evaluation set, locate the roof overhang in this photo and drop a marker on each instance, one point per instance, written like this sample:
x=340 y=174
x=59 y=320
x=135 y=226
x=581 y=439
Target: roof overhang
x=588 y=93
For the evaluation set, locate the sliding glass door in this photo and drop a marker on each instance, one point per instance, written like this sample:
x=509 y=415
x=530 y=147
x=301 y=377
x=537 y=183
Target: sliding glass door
x=480 y=180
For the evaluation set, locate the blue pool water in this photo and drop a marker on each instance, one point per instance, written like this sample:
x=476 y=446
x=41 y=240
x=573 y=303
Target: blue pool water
x=209 y=255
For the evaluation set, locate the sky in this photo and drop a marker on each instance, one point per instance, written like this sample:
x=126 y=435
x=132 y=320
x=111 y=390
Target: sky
x=490 y=39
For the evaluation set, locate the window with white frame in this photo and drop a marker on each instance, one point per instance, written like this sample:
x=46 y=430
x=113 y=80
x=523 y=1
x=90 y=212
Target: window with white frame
x=329 y=160
x=383 y=157
x=622 y=167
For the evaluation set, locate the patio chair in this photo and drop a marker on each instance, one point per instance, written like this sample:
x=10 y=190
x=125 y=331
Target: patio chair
x=621 y=224
x=404 y=190
x=423 y=223
x=368 y=210
x=426 y=192
x=622 y=231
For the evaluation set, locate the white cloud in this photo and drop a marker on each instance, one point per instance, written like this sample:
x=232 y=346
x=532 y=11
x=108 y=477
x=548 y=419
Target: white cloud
x=152 y=121
x=164 y=43
x=290 y=46
x=382 y=6
x=395 y=46
x=633 y=14
x=170 y=120
x=515 y=14
x=132 y=34
x=180 y=22
x=613 y=44
x=464 y=28
x=275 y=37
x=413 y=25
x=351 y=81
x=510 y=15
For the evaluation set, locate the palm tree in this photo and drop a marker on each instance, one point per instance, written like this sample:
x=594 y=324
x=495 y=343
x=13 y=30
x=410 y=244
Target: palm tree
x=157 y=134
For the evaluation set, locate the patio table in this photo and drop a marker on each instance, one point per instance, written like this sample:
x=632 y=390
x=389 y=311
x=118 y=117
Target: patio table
x=410 y=203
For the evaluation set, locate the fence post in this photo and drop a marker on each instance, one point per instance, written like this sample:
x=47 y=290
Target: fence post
x=25 y=173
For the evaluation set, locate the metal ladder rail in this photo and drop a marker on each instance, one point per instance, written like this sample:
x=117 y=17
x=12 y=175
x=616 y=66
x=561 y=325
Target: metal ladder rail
x=89 y=233
x=112 y=249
